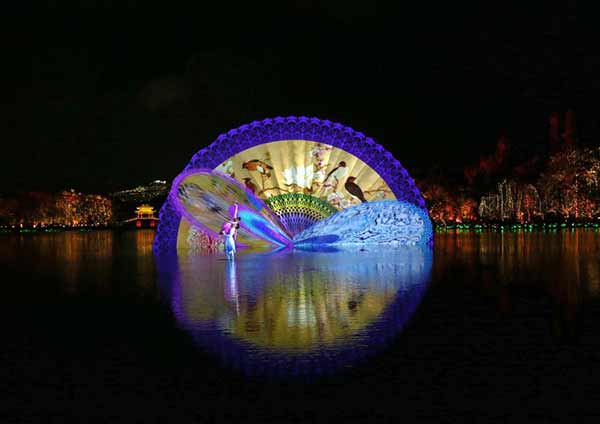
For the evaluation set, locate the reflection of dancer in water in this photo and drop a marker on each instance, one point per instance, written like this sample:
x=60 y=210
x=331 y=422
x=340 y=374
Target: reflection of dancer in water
x=231 y=286
x=229 y=230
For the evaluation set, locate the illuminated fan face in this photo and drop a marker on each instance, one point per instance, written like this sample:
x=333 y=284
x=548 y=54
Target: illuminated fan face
x=307 y=167
x=206 y=199
x=305 y=181
x=300 y=181
x=284 y=188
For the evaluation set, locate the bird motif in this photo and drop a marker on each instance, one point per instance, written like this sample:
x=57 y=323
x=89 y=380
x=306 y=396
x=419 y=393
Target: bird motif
x=337 y=172
x=257 y=165
x=249 y=184
x=354 y=189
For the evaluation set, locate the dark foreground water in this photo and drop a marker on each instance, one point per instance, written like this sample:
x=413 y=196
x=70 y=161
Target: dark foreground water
x=485 y=327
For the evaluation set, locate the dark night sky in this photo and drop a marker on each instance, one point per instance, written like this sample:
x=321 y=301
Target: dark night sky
x=102 y=98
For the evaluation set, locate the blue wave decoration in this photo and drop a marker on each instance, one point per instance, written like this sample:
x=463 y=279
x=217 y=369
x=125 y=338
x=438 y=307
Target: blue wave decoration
x=383 y=222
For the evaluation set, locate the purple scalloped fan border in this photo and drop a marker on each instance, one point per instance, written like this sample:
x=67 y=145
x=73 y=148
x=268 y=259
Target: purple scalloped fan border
x=292 y=128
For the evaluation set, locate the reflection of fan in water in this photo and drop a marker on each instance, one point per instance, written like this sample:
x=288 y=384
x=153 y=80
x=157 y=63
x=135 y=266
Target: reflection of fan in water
x=299 y=314
x=297 y=211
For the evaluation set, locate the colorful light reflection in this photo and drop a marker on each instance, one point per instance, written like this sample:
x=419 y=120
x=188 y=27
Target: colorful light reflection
x=295 y=313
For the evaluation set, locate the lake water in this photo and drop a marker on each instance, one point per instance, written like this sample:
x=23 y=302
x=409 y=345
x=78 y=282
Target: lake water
x=488 y=325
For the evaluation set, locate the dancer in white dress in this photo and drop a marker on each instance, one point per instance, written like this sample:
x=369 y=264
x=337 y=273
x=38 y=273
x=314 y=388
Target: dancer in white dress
x=229 y=230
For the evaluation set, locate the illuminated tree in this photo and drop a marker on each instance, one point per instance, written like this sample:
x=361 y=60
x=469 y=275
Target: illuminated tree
x=570 y=184
x=446 y=206
x=511 y=201
x=8 y=211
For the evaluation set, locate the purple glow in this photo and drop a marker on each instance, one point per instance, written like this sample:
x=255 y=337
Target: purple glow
x=173 y=200
x=289 y=128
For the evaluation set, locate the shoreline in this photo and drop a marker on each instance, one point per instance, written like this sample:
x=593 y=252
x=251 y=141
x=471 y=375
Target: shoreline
x=475 y=227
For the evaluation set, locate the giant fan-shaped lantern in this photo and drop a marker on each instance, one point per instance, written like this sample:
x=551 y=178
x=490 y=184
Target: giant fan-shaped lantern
x=298 y=182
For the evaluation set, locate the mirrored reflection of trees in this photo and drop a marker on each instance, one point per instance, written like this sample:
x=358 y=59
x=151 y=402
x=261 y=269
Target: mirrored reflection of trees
x=560 y=268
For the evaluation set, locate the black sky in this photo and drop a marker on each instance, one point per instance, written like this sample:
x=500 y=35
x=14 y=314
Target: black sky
x=109 y=95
